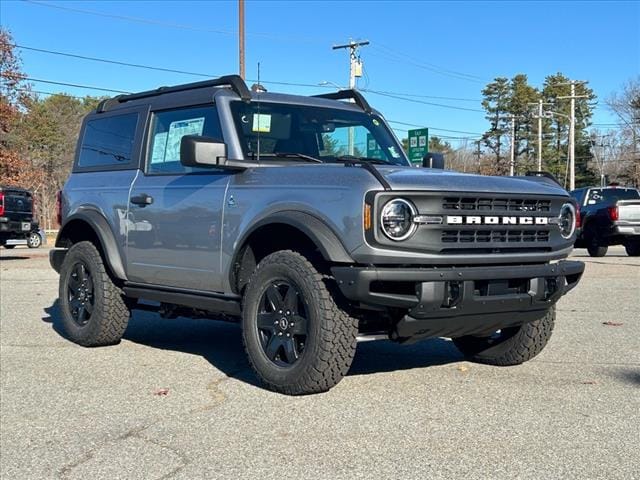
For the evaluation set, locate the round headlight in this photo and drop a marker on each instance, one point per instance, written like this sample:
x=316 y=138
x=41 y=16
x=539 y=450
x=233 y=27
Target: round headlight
x=567 y=220
x=396 y=219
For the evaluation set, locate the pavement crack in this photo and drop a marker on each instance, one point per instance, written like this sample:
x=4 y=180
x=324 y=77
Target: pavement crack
x=85 y=457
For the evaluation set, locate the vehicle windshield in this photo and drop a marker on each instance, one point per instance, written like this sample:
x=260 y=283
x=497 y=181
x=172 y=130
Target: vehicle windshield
x=610 y=195
x=271 y=131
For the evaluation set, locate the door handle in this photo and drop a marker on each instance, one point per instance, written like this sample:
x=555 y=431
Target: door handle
x=143 y=199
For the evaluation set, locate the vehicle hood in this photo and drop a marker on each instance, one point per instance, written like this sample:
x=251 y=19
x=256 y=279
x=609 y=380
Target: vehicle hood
x=409 y=178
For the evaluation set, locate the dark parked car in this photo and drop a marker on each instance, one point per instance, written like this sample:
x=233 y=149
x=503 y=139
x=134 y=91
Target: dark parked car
x=608 y=216
x=17 y=219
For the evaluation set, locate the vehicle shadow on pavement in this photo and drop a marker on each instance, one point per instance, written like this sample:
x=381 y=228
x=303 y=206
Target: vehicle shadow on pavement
x=220 y=344
x=12 y=257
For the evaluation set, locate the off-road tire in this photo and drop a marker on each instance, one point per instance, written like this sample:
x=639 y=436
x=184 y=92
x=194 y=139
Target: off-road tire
x=331 y=339
x=110 y=314
x=632 y=248
x=517 y=345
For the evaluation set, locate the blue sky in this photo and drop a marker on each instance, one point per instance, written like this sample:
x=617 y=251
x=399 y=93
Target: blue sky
x=436 y=49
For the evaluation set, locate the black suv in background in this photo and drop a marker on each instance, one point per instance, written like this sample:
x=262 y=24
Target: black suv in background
x=608 y=216
x=17 y=218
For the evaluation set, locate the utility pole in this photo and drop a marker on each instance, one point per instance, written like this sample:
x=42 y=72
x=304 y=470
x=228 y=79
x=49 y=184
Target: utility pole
x=540 y=115
x=572 y=133
x=512 y=163
x=540 y=135
x=241 y=37
x=355 y=71
x=478 y=154
x=572 y=139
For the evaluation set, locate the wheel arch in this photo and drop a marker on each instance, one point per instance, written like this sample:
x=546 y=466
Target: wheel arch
x=91 y=226
x=285 y=230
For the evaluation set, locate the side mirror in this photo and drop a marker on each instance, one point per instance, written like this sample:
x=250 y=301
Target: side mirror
x=198 y=151
x=433 y=160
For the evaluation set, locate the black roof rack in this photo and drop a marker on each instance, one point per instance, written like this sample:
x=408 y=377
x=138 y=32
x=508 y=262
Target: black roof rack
x=236 y=83
x=348 y=94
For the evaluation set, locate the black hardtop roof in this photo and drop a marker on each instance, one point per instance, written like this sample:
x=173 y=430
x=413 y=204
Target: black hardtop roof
x=233 y=82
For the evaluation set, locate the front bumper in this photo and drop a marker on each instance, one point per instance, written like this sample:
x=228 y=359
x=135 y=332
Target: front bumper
x=456 y=301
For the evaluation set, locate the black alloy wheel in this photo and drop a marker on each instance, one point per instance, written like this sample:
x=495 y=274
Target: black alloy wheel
x=282 y=323
x=80 y=293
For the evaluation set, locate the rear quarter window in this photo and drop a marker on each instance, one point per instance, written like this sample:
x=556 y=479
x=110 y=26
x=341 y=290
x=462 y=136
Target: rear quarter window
x=108 y=142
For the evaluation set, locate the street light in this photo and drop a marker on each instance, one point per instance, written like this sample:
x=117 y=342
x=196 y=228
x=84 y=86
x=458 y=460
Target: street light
x=326 y=83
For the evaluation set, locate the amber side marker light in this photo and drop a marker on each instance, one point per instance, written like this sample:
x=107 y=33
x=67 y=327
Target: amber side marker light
x=367 y=216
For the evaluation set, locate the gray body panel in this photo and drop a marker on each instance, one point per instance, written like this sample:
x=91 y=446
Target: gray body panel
x=102 y=194
x=175 y=241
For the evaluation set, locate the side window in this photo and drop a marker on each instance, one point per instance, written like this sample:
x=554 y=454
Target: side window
x=108 y=141
x=167 y=130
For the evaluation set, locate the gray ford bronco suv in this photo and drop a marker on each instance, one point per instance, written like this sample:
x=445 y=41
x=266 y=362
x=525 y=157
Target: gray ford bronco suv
x=302 y=219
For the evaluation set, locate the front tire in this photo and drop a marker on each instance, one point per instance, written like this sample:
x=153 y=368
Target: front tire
x=633 y=248
x=93 y=309
x=510 y=346
x=298 y=340
x=34 y=240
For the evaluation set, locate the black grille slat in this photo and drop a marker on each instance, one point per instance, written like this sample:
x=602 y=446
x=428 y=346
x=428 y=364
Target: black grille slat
x=495 y=236
x=470 y=204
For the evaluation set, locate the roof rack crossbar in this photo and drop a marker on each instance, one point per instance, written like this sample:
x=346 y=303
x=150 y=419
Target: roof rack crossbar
x=348 y=94
x=236 y=83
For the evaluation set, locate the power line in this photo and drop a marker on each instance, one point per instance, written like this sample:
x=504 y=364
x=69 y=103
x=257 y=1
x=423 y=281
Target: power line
x=114 y=62
x=75 y=85
x=416 y=95
x=161 y=23
x=404 y=58
x=210 y=75
x=399 y=97
x=431 y=128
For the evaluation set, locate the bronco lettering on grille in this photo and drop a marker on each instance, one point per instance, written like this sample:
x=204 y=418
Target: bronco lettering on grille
x=495 y=220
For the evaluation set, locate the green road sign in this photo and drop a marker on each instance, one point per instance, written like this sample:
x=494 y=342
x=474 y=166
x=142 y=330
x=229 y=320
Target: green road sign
x=418 y=144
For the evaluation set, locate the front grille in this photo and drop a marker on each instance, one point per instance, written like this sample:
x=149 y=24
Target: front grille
x=477 y=204
x=494 y=236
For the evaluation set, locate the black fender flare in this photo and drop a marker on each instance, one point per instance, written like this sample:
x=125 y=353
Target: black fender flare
x=318 y=232
x=96 y=221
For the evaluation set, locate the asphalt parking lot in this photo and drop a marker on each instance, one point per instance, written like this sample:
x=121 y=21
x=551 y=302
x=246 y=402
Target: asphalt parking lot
x=176 y=398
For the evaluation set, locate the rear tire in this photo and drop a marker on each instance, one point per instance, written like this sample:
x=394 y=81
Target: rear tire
x=512 y=346
x=298 y=340
x=594 y=246
x=9 y=247
x=633 y=248
x=93 y=309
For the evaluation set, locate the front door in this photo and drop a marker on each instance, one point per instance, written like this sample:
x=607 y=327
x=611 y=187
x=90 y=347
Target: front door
x=175 y=212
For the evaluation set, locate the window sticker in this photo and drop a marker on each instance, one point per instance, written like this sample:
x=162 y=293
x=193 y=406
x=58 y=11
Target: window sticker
x=261 y=123
x=159 y=146
x=177 y=130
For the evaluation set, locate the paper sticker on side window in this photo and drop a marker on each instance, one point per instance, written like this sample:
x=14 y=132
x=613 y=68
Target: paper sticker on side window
x=177 y=130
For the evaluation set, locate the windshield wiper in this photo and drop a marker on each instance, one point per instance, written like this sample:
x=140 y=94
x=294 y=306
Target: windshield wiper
x=308 y=158
x=354 y=158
